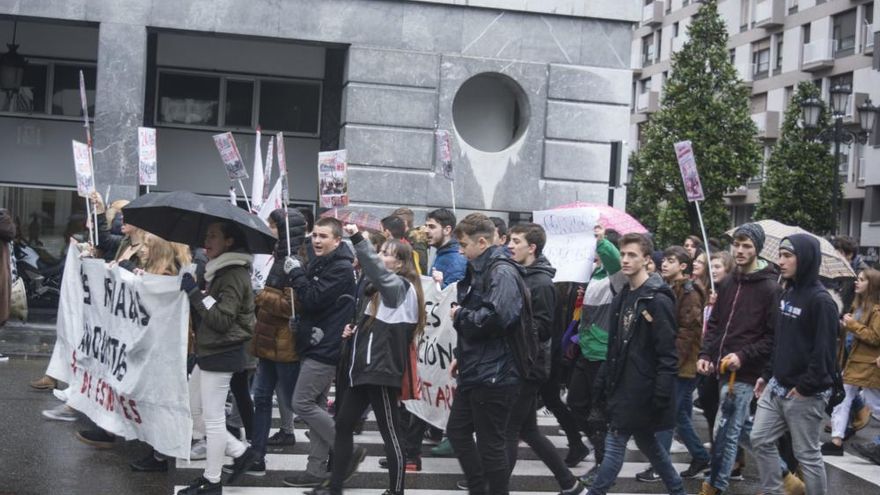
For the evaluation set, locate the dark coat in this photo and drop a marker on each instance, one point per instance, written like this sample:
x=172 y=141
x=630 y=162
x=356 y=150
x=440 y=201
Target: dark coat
x=806 y=325
x=742 y=321
x=229 y=323
x=491 y=308
x=637 y=381
x=325 y=292
x=539 y=279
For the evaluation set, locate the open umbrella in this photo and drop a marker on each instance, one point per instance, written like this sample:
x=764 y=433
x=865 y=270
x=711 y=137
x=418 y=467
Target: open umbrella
x=833 y=264
x=610 y=217
x=184 y=217
x=362 y=219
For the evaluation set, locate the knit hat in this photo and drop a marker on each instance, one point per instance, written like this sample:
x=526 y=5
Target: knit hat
x=788 y=246
x=754 y=232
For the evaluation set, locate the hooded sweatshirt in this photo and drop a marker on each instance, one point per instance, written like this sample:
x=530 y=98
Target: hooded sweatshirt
x=605 y=283
x=806 y=325
x=538 y=277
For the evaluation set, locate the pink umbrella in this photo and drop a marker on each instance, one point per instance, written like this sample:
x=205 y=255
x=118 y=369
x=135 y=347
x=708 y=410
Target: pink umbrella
x=610 y=217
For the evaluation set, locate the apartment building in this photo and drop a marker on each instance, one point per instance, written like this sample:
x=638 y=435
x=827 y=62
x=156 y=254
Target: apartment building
x=774 y=45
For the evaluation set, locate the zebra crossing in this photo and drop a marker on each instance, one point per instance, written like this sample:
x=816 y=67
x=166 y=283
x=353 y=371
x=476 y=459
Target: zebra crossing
x=439 y=475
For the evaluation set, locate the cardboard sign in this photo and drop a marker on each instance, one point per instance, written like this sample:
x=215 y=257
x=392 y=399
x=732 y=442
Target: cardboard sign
x=571 y=243
x=333 y=178
x=235 y=169
x=443 y=141
x=147 y=167
x=82 y=162
x=121 y=346
x=687 y=165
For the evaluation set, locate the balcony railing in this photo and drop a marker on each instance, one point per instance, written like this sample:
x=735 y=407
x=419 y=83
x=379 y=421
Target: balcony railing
x=648 y=102
x=767 y=124
x=817 y=55
x=769 y=13
x=652 y=14
x=867 y=38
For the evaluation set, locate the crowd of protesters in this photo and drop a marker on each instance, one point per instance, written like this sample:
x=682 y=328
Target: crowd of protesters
x=762 y=351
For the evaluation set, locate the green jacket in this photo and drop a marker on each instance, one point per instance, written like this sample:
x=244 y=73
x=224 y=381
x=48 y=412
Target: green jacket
x=229 y=323
x=604 y=284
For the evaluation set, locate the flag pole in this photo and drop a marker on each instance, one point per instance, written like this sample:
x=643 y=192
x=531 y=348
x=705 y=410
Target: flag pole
x=452 y=186
x=244 y=192
x=706 y=245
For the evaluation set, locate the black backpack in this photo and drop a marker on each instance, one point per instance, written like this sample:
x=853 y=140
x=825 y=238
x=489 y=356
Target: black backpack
x=524 y=341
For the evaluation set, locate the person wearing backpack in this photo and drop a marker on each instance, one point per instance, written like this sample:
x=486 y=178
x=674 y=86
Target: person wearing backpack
x=525 y=242
x=487 y=318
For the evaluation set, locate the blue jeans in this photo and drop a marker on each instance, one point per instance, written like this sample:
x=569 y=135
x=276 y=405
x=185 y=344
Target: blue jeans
x=269 y=374
x=684 y=407
x=731 y=429
x=615 y=449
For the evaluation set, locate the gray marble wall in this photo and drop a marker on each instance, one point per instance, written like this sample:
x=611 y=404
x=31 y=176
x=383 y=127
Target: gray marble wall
x=406 y=62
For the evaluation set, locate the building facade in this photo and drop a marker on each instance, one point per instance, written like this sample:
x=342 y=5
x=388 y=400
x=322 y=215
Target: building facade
x=534 y=94
x=774 y=45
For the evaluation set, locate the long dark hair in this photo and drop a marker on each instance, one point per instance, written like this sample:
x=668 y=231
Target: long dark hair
x=866 y=300
x=404 y=253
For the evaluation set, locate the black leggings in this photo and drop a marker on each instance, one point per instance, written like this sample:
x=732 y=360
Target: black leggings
x=240 y=387
x=384 y=403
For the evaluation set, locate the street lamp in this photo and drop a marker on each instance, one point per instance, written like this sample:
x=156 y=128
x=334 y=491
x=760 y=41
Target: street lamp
x=837 y=134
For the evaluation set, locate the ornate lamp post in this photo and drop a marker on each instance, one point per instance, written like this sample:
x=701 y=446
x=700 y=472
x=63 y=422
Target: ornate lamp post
x=836 y=133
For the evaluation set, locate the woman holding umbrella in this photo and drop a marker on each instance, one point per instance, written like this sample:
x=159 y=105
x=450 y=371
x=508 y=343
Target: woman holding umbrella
x=226 y=314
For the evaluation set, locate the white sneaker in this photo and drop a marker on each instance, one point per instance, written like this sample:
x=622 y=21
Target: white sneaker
x=677 y=448
x=199 y=450
x=60 y=413
x=3 y=358
x=60 y=394
x=631 y=445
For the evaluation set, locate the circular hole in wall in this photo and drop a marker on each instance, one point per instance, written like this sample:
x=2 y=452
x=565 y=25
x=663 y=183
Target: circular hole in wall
x=490 y=111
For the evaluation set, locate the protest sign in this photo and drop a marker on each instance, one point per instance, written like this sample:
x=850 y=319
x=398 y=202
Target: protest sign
x=435 y=353
x=282 y=167
x=121 y=346
x=267 y=171
x=147 y=173
x=444 y=154
x=235 y=169
x=263 y=262
x=82 y=161
x=571 y=243
x=687 y=165
x=333 y=178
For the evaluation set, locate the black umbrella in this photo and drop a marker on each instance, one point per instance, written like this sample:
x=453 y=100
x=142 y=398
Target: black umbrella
x=184 y=217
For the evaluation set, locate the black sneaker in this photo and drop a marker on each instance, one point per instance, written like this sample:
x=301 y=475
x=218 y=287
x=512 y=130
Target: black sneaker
x=149 y=464
x=648 y=476
x=576 y=454
x=737 y=474
x=201 y=486
x=695 y=469
x=462 y=485
x=281 y=438
x=357 y=457
x=97 y=438
x=869 y=450
x=304 y=480
x=828 y=448
x=241 y=464
x=257 y=468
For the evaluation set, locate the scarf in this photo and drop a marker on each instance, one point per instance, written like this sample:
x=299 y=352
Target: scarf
x=226 y=259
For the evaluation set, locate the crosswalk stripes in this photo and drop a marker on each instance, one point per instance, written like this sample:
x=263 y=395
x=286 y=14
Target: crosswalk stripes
x=440 y=475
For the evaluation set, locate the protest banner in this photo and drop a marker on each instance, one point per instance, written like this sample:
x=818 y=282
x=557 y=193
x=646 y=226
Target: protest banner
x=435 y=351
x=333 y=178
x=571 y=243
x=121 y=347
x=693 y=189
x=443 y=147
x=147 y=171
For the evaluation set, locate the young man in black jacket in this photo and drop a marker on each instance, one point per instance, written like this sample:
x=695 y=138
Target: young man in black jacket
x=324 y=291
x=794 y=399
x=637 y=382
x=526 y=241
x=489 y=312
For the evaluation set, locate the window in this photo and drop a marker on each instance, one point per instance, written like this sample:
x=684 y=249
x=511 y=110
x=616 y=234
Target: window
x=789 y=93
x=732 y=54
x=758 y=103
x=761 y=59
x=675 y=30
x=792 y=6
x=806 y=33
x=844 y=33
x=744 y=16
x=646 y=85
x=51 y=88
x=219 y=101
x=778 y=66
x=648 y=50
